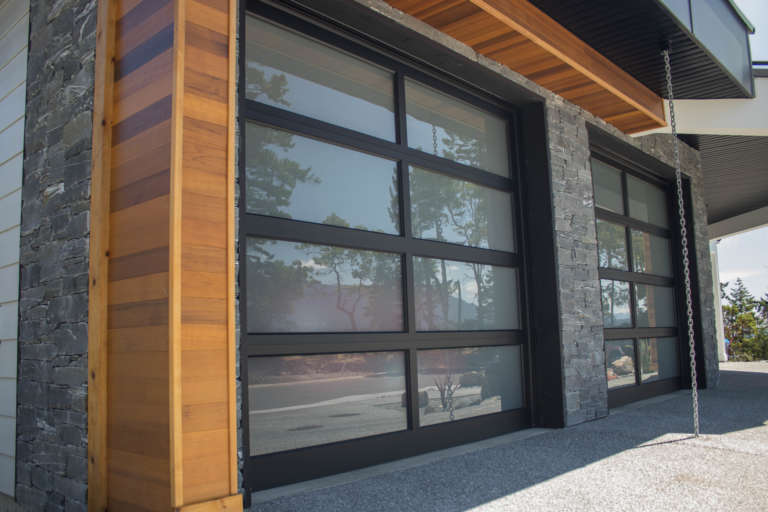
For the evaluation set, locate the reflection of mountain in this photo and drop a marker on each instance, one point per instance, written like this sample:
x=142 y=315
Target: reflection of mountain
x=466 y=310
x=316 y=310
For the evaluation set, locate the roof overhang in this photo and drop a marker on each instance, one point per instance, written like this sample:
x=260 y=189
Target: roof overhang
x=519 y=35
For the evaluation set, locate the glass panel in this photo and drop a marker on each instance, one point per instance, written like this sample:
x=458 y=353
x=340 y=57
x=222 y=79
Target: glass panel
x=296 y=177
x=655 y=306
x=651 y=254
x=289 y=71
x=647 y=202
x=444 y=126
x=607 y=183
x=461 y=212
x=620 y=363
x=298 y=287
x=298 y=401
x=458 y=296
x=461 y=383
x=611 y=245
x=615 y=299
x=658 y=359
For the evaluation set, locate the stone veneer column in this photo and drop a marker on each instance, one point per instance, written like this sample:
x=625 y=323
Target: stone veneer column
x=585 y=391
x=51 y=442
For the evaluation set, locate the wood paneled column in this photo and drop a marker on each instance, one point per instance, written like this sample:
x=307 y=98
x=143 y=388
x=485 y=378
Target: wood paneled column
x=162 y=402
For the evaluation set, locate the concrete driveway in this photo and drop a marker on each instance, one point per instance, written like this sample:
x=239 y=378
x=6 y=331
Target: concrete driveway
x=641 y=457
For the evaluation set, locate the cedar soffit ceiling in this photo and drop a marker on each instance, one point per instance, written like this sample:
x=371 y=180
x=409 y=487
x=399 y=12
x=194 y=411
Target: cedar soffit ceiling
x=520 y=36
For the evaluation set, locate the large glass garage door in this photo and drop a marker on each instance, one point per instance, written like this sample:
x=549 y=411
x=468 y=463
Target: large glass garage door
x=381 y=300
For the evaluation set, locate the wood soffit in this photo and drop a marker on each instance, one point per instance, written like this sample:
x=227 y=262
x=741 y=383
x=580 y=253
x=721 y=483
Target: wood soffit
x=520 y=36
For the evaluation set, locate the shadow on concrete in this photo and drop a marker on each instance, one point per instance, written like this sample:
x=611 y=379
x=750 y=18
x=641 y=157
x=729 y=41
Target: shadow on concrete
x=471 y=480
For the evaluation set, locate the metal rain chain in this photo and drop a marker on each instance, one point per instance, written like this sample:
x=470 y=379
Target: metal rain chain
x=684 y=242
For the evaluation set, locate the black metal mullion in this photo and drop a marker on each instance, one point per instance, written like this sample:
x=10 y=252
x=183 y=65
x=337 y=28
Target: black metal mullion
x=307 y=232
x=309 y=343
x=303 y=125
x=616 y=218
x=622 y=275
x=640 y=332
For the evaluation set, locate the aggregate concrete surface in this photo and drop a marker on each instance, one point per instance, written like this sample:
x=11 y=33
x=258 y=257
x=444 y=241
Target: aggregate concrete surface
x=641 y=457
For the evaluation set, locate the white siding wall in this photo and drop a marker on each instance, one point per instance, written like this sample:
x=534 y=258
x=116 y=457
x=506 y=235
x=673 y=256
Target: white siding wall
x=14 y=34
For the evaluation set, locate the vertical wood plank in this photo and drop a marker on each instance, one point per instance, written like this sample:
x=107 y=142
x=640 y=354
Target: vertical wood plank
x=174 y=267
x=231 y=341
x=98 y=261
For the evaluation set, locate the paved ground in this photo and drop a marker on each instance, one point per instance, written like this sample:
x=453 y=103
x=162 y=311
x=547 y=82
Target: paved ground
x=639 y=458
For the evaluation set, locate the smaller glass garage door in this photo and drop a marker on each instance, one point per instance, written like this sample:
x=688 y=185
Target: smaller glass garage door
x=637 y=282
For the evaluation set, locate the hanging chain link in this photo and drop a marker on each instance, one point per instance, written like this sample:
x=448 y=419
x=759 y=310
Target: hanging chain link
x=684 y=242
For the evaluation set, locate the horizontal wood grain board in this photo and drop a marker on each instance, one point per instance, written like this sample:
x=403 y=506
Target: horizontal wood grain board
x=144 y=52
x=145 y=338
x=137 y=314
x=140 y=14
x=139 y=264
x=141 y=191
x=141 y=121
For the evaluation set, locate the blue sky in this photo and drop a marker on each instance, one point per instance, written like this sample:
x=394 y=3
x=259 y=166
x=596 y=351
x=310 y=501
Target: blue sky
x=746 y=255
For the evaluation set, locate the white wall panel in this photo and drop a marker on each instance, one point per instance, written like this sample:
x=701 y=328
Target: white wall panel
x=8 y=397
x=7 y=474
x=9 y=247
x=13 y=73
x=8 y=358
x=9 y=285
x=14 y=38
x=10 y=210
x=9 y=320
x=11 y=14
x=7 y=427
x=10 y=175
x=11 y=140
x=12 y=105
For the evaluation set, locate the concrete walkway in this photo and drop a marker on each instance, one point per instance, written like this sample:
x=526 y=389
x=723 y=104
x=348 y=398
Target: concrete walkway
x=639 y=458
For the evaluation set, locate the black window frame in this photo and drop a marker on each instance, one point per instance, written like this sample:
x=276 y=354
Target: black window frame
x=639 y=390
x=269 y=470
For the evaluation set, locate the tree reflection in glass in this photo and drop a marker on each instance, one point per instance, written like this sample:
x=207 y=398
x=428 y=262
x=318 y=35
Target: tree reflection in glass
x=458 y=211
x=296 y=177
x=465 y=382
x=611 y=245
x=454 y=295
x=299 y=287
x=615 y=303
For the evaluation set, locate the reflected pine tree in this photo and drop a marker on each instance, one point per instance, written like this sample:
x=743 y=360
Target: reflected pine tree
x=452 y=210
x=270 y=179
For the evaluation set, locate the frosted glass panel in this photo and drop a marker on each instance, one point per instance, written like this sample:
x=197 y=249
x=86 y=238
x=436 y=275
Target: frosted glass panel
x=299 y=178
x=606 y=181
x=289 y=71
x=299 y=401
x=299 y=287
x=461 y=383
x=451 y=210
x=445 y=126
x=658 y=358
x=458 y=296
x=651 y=254
x=655 y=306
x=647 y=202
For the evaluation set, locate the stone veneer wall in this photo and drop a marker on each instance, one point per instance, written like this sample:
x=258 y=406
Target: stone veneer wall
x=51 y=468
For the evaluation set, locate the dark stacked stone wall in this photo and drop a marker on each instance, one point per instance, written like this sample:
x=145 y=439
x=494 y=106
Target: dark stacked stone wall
x=51 y=467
